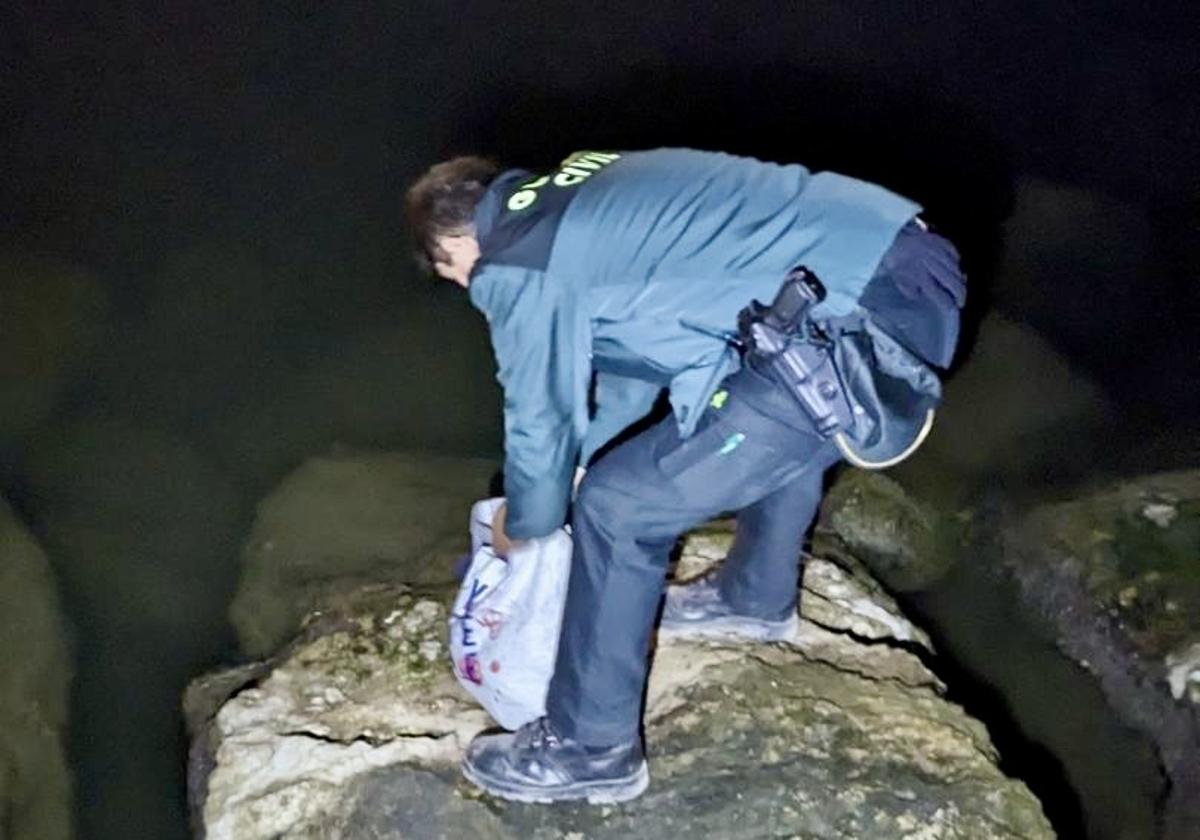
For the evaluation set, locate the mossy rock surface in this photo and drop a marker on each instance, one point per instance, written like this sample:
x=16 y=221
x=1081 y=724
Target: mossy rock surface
x=1115 y=576
x=1136 y=549
x=35 y=782
x=868 y=517
x=356 y=729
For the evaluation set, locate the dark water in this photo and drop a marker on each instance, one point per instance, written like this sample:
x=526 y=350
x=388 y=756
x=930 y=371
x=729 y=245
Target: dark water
x=1095 y=777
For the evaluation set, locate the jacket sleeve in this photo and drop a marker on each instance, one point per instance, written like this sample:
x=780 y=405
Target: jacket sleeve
x=620 y=402
x=541 y=340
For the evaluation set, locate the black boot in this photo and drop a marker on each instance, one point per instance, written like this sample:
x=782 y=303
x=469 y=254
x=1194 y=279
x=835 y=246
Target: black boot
x=536 y=764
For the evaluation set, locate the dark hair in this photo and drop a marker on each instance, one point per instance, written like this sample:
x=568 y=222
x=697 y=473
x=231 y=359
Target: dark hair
x=442 y=202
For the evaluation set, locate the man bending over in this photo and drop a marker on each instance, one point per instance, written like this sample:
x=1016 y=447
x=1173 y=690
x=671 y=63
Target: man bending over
x=620 y=275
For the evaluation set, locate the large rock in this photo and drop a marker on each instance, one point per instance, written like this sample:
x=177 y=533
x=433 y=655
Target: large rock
x=344 y=519
x=840 y=596
x=52 y=316
x=355 y=731
x=1116 y=577
x=868 y=517
x=35 y=784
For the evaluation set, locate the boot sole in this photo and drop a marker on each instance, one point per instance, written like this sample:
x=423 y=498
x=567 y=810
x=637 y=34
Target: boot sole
x=726 y=627
x=605 y=792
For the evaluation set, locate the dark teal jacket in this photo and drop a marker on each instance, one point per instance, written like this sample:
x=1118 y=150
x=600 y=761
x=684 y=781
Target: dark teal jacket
x=625 y=267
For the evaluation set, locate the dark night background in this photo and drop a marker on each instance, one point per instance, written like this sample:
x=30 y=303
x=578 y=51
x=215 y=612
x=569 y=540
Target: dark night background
x=207 y=199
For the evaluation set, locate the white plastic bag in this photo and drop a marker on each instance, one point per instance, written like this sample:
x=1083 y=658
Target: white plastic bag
x=506 y=619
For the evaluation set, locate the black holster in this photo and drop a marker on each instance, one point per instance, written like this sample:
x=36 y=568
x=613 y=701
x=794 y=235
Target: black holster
x=782 y=342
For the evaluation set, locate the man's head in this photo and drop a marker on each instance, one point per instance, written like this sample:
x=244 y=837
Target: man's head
x=441 y=211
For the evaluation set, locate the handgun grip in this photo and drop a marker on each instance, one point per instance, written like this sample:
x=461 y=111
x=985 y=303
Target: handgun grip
x=799 y=291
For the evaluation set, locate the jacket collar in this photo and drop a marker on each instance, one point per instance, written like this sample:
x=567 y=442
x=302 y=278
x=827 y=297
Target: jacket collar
x=487 y=212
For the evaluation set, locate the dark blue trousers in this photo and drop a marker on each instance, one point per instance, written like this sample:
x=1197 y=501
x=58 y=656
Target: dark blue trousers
x=754 y=452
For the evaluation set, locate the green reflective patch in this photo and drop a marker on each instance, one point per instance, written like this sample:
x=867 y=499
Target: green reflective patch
x=731 y=443
x=719 y=398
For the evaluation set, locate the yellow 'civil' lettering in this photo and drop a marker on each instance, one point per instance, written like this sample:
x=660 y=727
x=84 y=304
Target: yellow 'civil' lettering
x=574 y=170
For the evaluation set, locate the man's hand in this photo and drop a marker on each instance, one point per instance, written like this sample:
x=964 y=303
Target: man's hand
x=501 y=544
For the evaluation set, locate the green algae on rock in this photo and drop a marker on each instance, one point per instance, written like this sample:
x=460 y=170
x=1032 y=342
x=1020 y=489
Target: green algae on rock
x=1136 y=548
x=1115 y=576
x=868 y=517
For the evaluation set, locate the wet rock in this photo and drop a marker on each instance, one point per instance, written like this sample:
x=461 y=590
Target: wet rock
x=1183 y=673
x=1116 y=578
x=868 y=517
x=35 y=784
x=344 y=519
x=1135 y=550
x=357 y=728
x=51 y=319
